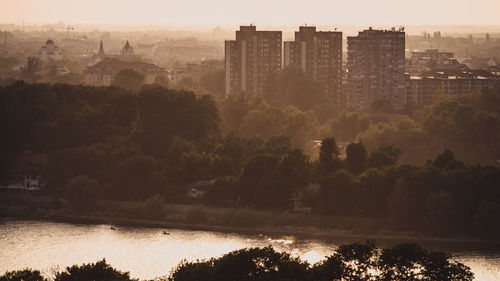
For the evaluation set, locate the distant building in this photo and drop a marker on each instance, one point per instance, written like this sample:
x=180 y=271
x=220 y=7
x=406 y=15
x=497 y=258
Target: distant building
x=50 y=51
x=376 y=68
x=432 y=54
x=199 y=188
x=479 y=63
x=186 y=50
x=421 y=89
x=251 y=59
x=127 y=50
x=194 y=71
x=422 y=61
x=100 y=56
x=446 y=65
x=319 y=55
x=102 y=73
x=26 y=171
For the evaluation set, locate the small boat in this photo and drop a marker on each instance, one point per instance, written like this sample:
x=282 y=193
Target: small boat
x=165 y=233
x=112 y=228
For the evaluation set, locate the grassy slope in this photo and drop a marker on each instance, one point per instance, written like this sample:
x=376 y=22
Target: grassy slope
x=199 y=217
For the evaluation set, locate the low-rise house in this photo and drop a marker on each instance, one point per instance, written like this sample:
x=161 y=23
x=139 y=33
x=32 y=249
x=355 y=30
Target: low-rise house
x=199 y=188
x=26 y=171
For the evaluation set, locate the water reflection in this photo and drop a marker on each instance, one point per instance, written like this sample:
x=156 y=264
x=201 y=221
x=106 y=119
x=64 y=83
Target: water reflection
x=149 y=253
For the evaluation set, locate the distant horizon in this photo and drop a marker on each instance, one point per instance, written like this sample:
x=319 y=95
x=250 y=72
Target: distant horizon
x=225 y=12
x=347 y=29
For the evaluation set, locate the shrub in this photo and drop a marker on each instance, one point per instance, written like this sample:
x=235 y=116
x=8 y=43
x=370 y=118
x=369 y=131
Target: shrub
x=82 y=192
x=22 y=275
x=195 y=215
x=154 y=207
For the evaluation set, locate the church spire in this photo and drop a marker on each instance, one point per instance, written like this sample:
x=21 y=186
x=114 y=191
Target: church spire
x=101 y=50
x=127 y=50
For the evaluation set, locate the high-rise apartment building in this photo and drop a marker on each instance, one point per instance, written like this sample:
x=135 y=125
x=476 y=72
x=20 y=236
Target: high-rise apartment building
x=251 y=59
x=376 y=68
x=319 y=55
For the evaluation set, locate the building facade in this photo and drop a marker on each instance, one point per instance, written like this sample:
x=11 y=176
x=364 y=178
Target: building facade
x=319 y=55
x=376 y=68
x=103 y=73
x=50 y=51
x=251 y=59
x=421 y=89
x=127 y=50
x=422 y=61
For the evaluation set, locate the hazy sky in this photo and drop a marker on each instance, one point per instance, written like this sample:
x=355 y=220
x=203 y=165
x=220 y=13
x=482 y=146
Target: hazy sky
x=261 y=12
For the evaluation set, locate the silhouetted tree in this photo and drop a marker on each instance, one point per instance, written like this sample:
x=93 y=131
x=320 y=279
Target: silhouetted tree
x=213 y=82
x=244 y=265
x=292 y=87
x=128 y=79
x=328 y=156
x=487 y=212
x=32 y=66
x=337 y=195
x=356 y=157
x=100 y=270
x=133 y=178
x=154 y=207
x=348 y=125
x=254 y=175
x=385 y=155
x=82 y=192
x=354 y=262
x=22 y=275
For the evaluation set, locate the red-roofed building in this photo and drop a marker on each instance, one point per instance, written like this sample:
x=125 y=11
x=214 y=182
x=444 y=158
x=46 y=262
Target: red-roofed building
x=102 y=73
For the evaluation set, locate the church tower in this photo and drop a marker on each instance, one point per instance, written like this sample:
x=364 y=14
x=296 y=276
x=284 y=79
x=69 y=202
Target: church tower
x=101 y=51
x=127 y=50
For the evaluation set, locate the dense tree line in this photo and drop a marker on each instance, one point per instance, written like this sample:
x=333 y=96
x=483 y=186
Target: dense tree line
x=443 y=196
x=468 y=125
x=133 y=144
x=349 y=262
x=108 y=142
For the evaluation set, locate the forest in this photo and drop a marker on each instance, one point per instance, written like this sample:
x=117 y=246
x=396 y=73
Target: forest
x=432 y=172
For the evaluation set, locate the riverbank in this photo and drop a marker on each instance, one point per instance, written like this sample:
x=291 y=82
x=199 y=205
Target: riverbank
x=15 y=206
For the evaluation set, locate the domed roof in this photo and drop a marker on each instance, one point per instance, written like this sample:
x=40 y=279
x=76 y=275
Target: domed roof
x=49 y=42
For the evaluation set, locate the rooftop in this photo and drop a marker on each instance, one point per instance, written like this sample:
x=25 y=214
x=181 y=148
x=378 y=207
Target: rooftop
x=112 y=64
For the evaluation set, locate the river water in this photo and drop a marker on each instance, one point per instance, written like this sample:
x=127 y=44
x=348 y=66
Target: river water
x=148 y=253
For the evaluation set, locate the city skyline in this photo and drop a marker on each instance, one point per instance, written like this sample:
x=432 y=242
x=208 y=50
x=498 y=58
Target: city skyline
x=481 y=12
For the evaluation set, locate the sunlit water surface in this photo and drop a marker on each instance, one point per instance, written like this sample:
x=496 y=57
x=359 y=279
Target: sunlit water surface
x=148 y=253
